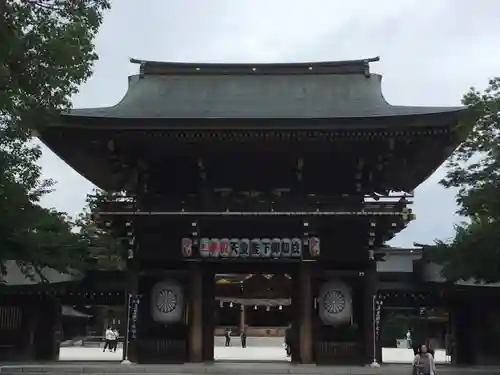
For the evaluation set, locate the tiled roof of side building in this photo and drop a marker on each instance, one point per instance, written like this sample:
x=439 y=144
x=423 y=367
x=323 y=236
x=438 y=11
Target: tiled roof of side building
x=16 y=277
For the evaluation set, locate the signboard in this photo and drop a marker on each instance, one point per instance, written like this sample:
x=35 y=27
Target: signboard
x=257 y=248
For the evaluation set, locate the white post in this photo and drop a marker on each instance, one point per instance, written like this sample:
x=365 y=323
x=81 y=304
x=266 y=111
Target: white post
x=374 y=364
x=125 y=353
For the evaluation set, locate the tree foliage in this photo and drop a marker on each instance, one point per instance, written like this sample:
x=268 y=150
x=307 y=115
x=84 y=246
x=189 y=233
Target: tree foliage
x=46 y=52
x=105 y=250
x=474 y=252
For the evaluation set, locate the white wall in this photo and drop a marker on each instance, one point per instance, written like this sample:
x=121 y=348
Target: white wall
x=398 y=262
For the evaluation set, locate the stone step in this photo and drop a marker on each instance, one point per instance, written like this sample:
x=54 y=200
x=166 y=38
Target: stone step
x=230 y=368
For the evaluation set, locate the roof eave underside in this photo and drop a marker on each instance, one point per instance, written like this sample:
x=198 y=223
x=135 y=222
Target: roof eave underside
x=418 y=116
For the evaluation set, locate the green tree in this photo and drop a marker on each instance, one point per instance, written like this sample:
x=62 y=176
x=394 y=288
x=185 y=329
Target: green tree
x=105 y=247
x=46 y=52
x=474 y=252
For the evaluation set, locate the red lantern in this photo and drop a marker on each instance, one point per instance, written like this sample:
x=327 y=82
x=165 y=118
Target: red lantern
x=214 y=247
x=314 y=247
x=224 y=247
x=187 y=247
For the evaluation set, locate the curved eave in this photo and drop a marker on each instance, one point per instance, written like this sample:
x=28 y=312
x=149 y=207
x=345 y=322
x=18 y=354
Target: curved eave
x=81 y=161
x=411 y=117
x=84 y=161
x=432 y=160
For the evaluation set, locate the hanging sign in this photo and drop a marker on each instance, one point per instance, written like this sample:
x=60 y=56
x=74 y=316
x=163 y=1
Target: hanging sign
x=378 y=309
x=224 y=248
x=133 y=311
x=261 y=248
x=205 y=247
x=314 y=247
x=214 y=247
x=187 y=247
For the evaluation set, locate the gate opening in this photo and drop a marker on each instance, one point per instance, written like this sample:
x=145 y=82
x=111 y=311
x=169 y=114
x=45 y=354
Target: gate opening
x=253 y=317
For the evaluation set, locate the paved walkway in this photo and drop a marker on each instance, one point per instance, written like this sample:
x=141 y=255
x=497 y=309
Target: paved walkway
x=254 y=352
x=226 y=368
x=259 y=358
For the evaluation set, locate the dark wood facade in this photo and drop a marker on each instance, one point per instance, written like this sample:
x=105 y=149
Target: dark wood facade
x=254 y=151
x=30 y=315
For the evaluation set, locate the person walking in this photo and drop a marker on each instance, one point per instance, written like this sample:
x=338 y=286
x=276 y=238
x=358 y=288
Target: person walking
x=423 y=363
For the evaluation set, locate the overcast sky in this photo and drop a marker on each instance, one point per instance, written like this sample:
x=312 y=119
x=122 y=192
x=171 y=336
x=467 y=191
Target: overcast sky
x=431 y=52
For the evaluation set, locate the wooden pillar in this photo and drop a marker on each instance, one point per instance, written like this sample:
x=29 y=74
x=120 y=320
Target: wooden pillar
x=31 y=313
x=370 y=290
x=48 y=330
x=242 y=317
x=305 y=313
x=209 y=311
x=131 y=301
x=195 y=313
x=463 y=326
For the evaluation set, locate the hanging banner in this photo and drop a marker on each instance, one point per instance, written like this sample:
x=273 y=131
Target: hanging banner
x=314 y=247
x=276 y=248
x=296 y=248
x=335 y=303
x=378 y=309
x=224 y=247
x=214 y=247
x=204 y=247
x=244 y=248
x=286 y=248
x=255 y=248
x=133 y=310
x=266 y=248
x=187 y=247
x=234 y=246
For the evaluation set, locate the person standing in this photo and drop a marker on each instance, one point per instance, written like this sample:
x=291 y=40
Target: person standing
x=228 y=337
x=288 y=340
x=408 y=339
x=108 y=339
x=243 y=337
x=115 y=341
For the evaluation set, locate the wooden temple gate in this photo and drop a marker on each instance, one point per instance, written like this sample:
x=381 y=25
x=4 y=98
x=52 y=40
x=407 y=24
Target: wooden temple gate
x=287 y=157
x=190 y=338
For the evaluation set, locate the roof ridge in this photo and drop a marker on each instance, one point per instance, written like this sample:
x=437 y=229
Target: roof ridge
x=360 y=66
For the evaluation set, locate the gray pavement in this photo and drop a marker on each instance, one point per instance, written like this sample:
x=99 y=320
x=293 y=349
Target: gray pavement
x=264 y=356
x=231 y=368
x=276 y=342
